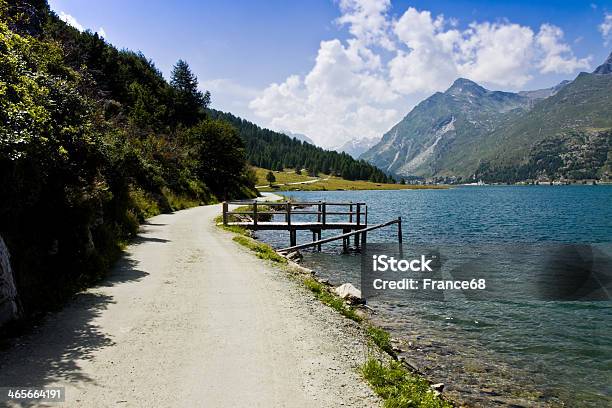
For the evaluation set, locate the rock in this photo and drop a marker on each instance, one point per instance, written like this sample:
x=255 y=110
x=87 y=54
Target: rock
x=349 y=293
x=296 y=268
x=294 y=256
x=361 y=313
x=438 y=387
x=10 y=307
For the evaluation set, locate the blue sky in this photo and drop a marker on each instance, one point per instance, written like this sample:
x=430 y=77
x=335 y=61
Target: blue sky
x=336 y=70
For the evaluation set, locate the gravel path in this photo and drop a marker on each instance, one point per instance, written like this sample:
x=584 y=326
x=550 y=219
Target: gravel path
x=190 y=318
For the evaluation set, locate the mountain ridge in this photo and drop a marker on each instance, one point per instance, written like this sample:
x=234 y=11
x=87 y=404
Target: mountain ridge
x=466 y=131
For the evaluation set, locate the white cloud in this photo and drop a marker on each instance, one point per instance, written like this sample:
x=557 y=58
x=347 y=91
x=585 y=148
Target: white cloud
x=68 y=19
x=72 y=21
x=367 y=21
x=606 y=29
x=228 y=95
x=558 y=56
x=359 y=87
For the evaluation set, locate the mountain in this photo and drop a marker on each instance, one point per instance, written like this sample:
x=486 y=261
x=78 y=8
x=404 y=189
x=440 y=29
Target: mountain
x=469 y=132
x=429 y=140
x=605 y=68
x=568 y=135
x=299 y=136
x=544 y=93
x=356 y=147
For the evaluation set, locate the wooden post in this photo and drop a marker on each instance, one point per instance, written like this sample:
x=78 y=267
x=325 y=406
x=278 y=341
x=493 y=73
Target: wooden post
x=356 y=240
x=255 y=213
x=399 y=229
x=324 y=207
x=364 y=239
x=366 y=216
x=288 y=215
x=319 y=212
x=345 y=242
x=318 y=239
x=358 y=214
x=351 y=213
x=292 y=237
x=225 y=213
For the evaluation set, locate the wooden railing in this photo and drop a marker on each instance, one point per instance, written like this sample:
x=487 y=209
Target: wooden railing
x=356 y=213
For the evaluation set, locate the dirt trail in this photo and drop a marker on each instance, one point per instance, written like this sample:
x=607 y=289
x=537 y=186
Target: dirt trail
x=188 y=318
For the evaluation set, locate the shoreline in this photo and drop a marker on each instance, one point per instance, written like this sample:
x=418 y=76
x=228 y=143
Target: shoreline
x=420 y=353
x=382 y=349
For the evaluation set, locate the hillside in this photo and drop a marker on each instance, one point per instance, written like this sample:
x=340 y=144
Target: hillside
x=289 y=180
x=276 y=151
x=469 y=133
x=93 y=140
x=564 y=136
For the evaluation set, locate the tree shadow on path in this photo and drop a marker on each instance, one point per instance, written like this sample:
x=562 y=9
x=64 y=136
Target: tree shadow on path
x=49 y=353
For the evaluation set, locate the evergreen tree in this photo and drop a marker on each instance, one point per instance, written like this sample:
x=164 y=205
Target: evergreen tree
x=190 y=102
x=270 y=178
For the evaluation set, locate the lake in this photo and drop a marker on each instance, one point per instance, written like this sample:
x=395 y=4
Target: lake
x=502 y=350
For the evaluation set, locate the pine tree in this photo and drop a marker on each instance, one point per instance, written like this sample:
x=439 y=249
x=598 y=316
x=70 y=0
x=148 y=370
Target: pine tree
x=270 y=178
x=190 y=102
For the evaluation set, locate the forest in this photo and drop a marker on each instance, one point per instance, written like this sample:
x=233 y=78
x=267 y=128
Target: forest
x=276 y=151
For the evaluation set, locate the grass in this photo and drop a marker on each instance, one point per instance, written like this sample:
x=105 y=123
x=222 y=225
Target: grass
x=262 y=251
x=398 y=387
x=322 y=293
x=381 y=338
x=230 y=228
x=181 y=202
x=282 y=177
x=327 y=182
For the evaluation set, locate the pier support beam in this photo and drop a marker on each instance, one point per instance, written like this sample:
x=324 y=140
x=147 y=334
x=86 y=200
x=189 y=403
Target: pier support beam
x=292 y=237
x=345 y=241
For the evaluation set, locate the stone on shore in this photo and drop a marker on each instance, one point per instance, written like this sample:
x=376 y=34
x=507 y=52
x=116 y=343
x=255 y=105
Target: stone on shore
x=349 y=293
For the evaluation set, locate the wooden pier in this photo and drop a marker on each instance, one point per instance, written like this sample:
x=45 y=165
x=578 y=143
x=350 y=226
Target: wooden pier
x=350 y=218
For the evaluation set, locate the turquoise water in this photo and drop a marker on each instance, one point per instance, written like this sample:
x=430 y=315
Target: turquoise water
x=526 y=352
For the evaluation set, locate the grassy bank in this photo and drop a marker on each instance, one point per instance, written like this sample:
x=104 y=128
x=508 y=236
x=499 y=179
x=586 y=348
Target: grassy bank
x=389 y=378
x=286 y=179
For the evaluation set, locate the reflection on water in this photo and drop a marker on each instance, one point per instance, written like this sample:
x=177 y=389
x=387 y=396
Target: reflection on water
x=513 y=351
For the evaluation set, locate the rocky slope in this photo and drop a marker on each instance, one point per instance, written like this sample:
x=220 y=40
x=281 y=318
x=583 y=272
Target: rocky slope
x=428 y=141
